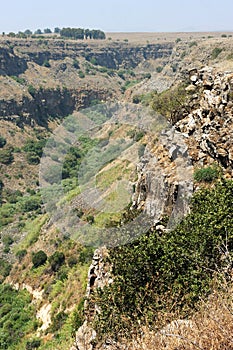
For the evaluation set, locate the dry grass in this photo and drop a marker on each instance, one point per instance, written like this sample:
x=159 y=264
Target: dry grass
x=209 y=329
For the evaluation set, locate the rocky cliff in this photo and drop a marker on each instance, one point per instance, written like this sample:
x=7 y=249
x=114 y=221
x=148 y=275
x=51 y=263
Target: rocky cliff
x=15 y=54
x=202 y=137
x=45 y=78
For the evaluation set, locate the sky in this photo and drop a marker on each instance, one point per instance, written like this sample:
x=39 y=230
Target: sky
x=118 y=16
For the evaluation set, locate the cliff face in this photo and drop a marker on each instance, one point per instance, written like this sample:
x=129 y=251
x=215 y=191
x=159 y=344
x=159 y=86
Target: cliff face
x=10 y=63
x=49 y=103
x=209 y=126
x=202 y=137
x=40 y=80
x=16 y=54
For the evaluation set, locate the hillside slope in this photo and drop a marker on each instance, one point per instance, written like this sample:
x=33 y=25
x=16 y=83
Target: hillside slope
x=87 y=160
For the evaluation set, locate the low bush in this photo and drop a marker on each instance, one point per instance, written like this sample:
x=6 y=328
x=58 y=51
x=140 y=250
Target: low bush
x=216 y=52
x=2 y=141
x=208 y=174
x=6 y=156
x=56 y=261
x=39 y=258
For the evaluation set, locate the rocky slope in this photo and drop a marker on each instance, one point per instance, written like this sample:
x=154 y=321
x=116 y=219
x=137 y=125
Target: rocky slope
x=41 y=82
x=165 y=172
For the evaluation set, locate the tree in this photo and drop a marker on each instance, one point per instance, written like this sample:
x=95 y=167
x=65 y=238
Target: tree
x=28 y=32
x=12 y=34
x=57 y=30
x=47 y=31
x=38 y=31
x=39 y=258
x=56 y=261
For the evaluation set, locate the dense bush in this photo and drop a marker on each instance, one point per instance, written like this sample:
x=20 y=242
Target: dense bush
x=169 y=102
x=30 y=203
x=5 y=268
x=170 y=271
x=33 y=344
x=17 y=315
x=2 y=141
x=6 y=156
x=207 y=174
x=39 y=258
x=32 y=90
x=80 y=33
x=56 y=261
x=216 y=51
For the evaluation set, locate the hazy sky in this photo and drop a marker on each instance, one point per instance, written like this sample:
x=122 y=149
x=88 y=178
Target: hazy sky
x=121 y=15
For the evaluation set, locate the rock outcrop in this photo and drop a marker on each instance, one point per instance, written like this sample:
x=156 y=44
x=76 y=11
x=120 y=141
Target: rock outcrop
x=164 y=184
x=99 y=275
x=209 y=126
x=49 y=103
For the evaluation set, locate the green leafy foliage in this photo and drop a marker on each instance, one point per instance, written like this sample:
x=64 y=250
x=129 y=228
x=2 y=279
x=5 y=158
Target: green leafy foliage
x=17 y=315
x=6 y=156
x=39 y=258
x=2 y=141
x=46 y=64
x=216 y=52
x=19 y=80
x=208 y=174
x=80 y=33
x=32 y=90
x=75 y=156
x=169 y=271
x=33 y=344
x=5 y=268
x=34 y=150
x=159 y=69
x=57 y=260
x=168 y=102
x=20 y=254
x=81 y=74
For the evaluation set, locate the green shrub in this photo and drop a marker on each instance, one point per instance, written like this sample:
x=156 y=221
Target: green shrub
x=193 y=43
x=169 y=102
x=56 y=261
x=86 y=255
x=208 y=174
x=32 y=90
x=76 y=64
x=159 y=69
x=216 y=51
x=93 y=61
x=2 y=141
x=13 y=196
x=39 y=258
x=72 y=261
x=6 y=156
x=57 y=321
x=17 y=316
x=21 y=254
x=46 y=64
x=19 y=80
x=5 y=268
x=7 y=240
x=30 y=203
x=168 y=272
x=81 y=74
x=78 y=315
x=33 y=344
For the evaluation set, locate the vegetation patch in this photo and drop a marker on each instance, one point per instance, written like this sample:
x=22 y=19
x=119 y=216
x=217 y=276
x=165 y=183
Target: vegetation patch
x=168 y=272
